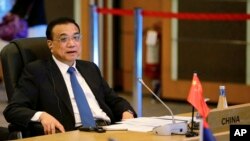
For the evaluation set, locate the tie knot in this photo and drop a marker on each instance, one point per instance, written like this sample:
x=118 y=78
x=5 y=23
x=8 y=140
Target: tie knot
x=71 y=70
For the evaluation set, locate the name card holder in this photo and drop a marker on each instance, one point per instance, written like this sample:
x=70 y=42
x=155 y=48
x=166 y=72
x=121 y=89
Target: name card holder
x=220 y=120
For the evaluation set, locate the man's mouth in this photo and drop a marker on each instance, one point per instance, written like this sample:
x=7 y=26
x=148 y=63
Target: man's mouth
x=71 y=52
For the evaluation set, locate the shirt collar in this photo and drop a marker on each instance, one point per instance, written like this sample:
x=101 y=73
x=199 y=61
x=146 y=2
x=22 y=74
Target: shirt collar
x=62 y=66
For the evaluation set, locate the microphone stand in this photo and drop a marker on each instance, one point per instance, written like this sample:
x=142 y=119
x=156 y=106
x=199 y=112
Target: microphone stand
x=192 y=133
x=170 y=128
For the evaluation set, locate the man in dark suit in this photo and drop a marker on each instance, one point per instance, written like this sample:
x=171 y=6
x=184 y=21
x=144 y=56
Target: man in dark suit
x=44 y=93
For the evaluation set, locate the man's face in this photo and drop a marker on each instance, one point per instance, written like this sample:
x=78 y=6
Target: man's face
x=65 y=45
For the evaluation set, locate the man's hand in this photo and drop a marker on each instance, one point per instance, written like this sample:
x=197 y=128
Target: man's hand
x=127 y=115
x=50 y=124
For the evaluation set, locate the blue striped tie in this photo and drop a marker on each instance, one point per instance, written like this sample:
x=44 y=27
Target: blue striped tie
x=83 y=106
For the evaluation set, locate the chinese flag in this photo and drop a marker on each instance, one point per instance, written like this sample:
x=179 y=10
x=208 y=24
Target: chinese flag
x=196 y=98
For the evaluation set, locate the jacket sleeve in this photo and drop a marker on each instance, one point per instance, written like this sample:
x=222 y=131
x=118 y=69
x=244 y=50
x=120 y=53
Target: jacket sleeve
x=22 y=105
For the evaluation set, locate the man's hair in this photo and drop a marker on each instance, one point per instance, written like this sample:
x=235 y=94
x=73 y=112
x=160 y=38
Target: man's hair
x=59 y=21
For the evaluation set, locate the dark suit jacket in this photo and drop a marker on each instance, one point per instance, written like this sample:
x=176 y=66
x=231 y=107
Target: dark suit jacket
x=42 y=88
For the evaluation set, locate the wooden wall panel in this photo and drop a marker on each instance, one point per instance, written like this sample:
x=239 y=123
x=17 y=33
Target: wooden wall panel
x=85 y=30
x=178 y=90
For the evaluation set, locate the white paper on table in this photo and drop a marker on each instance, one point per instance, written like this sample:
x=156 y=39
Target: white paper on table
x=128 y=127
x=144 y=124
x=116 y=127
x=146 y=121
x=179 y=118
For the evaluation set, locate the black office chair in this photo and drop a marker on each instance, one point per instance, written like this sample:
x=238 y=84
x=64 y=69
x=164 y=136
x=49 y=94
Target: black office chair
x=14 y=57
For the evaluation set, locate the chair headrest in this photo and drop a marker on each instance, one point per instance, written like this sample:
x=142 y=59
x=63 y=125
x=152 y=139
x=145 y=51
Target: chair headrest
x=18 y=53
x=32 y=48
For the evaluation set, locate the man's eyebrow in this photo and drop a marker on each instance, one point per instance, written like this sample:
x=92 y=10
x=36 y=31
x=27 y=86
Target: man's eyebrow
x=64 y=34
x=76 y=33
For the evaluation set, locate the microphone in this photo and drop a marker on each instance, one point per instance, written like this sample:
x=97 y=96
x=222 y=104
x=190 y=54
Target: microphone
x=167 y=129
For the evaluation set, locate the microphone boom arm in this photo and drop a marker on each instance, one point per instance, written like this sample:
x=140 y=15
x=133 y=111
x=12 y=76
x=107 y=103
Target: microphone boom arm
x=141 y=81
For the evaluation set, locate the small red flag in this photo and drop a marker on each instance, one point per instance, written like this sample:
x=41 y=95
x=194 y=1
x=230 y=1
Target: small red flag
x=196 y=98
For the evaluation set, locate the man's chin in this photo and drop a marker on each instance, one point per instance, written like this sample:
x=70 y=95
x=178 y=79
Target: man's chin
x=73 y=57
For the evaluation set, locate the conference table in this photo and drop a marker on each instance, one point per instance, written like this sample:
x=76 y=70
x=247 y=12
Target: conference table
x=77 y=135
x=119 y=136
x=107 y=136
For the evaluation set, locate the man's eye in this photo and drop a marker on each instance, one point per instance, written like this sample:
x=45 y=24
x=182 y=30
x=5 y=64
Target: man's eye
x=63 y=39
x=76 y=38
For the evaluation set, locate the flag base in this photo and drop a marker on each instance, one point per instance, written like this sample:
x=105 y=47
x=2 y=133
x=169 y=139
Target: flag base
x=195 y=125
x=191 y=134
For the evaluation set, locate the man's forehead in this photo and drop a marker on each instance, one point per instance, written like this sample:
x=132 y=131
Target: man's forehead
x=66 y=34
x=65 y=29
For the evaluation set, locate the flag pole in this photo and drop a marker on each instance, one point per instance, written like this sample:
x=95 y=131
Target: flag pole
x=192 y=121
x=192 y=133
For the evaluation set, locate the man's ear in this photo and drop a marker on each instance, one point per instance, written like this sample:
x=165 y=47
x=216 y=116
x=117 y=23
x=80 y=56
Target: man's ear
x=50 y=44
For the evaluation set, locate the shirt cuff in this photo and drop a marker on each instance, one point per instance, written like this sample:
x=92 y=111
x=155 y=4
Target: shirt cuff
x=130 y=112
x=36 y=117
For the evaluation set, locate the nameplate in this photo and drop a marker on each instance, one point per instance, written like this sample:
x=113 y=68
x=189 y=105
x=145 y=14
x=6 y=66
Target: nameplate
x=220 y=120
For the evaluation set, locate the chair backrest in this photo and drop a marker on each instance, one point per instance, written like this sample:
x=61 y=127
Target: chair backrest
x=18 y=53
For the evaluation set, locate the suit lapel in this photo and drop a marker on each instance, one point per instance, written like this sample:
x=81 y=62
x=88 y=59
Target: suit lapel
x=88 y=76
x=93 y=80
x=59 y=85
